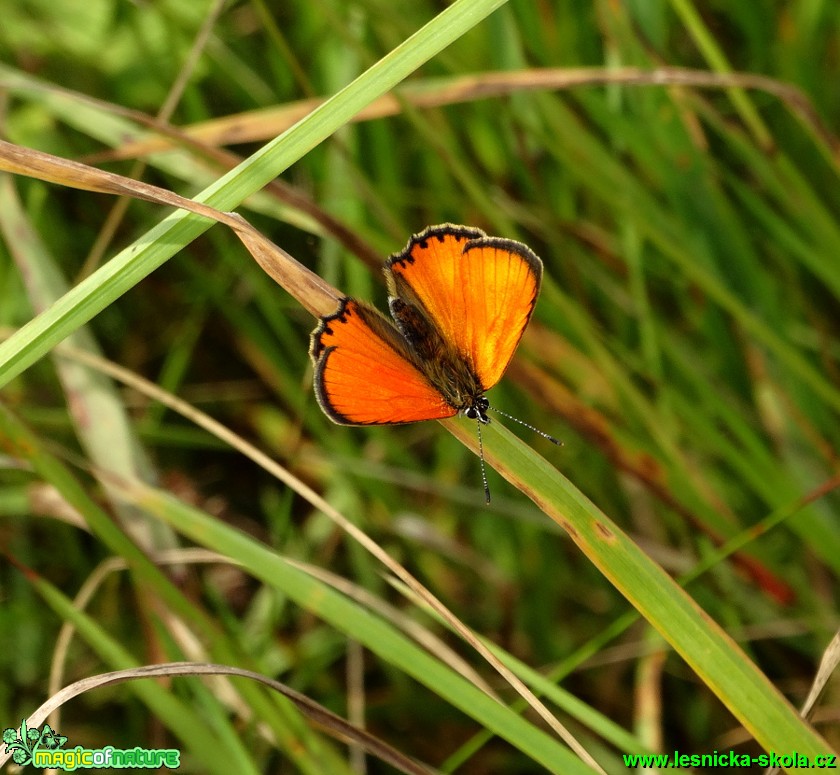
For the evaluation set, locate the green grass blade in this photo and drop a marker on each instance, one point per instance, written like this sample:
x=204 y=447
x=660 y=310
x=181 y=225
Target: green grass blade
x=710 y=652
x=178 y=229
x=217 y=750
x=359 y=624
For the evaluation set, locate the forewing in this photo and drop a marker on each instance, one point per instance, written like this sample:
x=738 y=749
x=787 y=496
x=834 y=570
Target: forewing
x=363 y=372
x=479 y=292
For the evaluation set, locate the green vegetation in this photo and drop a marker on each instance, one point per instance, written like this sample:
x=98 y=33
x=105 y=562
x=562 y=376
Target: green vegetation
x=674 y=166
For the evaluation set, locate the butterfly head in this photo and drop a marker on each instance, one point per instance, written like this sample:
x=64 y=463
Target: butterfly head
x=478 y=410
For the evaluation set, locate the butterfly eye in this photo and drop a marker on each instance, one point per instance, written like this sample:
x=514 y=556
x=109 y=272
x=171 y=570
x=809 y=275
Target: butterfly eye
x=478 y=411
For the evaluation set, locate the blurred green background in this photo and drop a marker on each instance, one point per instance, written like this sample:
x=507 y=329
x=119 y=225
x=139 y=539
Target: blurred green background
x=684 y=348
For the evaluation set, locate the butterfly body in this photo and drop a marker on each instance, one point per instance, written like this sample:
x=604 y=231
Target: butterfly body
x=442 y=364
x=460 y=301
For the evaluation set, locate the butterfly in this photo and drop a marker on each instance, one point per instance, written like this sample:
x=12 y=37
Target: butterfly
x=460 y=302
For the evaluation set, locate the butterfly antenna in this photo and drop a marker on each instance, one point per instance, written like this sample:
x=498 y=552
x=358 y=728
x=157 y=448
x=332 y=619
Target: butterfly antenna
x=483 y=469
x=527 y=425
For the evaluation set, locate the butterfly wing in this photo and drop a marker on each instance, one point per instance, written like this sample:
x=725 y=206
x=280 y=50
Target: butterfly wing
x=364 y=374
x=478 y=291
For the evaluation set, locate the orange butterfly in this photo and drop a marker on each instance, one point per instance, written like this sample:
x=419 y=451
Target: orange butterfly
x=461 y=301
